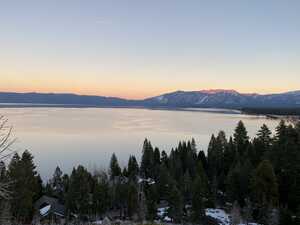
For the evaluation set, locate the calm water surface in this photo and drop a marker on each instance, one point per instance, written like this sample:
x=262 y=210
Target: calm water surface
x=68 y=137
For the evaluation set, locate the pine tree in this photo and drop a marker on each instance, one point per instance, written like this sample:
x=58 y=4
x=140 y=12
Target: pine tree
x=262 y=144
x=229 y=156
x=164 y=181
x=265 y=188
x=238 y=182
x=115 y=170
x=264 y=135
x=57 y=184
x=156 y=164
x=101 y=194
x=164 y=159
x=212 y=158
x=151 y=201
x=133 y=168
x=193 y=146
x=241 y=138
x=156 y=156
x=281 y=132
x=147 y=160
x=233 y=190
x=201 y=157
x=80 y=187
x=198 y=191
x=175 y=200
x=26 y=186
x=5 y=211
x=132 y=199
x=187 y=187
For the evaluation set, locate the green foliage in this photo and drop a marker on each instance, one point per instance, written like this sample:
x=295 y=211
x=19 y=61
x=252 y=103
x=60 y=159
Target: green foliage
x=198 y=194
x=241 y=139
x=147 y=160
x=238 y=182
x=151 y=201
x=132 y=168
x=115 y=170
x=175 y=200
x=80 y=190
x=132 y=199
x=265 y=184
x=101 y=194
x=26 y=186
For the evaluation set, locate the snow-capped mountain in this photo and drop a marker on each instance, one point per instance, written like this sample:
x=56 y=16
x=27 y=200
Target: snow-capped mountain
x=219 y=98
x=224 y=99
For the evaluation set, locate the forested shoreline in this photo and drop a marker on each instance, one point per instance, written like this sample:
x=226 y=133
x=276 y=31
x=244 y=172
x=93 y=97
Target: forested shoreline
x=255 y=180
x=274 y=111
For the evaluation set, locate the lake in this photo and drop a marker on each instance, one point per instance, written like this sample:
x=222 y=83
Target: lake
x=67 y=137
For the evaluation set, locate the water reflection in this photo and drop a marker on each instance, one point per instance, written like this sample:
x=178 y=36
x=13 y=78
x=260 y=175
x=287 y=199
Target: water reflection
x=68 y=137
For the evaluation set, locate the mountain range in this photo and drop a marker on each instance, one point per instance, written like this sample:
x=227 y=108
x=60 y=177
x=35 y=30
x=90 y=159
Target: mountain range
x=230 y=99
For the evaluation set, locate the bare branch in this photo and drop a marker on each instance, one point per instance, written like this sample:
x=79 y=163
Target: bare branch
x=6 y=141
x=4 y=190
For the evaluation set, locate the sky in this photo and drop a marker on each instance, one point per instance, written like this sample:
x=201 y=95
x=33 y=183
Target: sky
x=141 y=48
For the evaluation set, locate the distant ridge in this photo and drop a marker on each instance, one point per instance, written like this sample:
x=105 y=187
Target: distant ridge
x=61 y=99
x=214 y=98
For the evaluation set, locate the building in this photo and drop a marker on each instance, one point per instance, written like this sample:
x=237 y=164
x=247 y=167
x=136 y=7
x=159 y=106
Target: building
x=48 y=210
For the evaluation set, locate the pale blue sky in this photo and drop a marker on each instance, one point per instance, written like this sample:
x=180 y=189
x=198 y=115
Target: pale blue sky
x=142 y=48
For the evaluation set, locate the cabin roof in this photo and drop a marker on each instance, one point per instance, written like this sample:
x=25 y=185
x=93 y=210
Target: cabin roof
x=46 y=205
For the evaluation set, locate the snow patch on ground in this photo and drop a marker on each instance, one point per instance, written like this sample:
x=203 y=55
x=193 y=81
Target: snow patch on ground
x=148 y=181
x=219 y=215
x=162 y=214
x=167 y=219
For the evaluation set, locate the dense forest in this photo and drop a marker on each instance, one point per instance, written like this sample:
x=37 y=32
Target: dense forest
x=257 y=180
x=273 y=111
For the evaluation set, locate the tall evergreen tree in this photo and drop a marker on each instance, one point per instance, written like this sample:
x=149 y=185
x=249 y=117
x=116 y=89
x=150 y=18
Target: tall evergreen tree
x=115 y=170
x=229 y=156
x=198 y=212
x=264 y=135
x=241 y=138
x=147 y=160
x=132 y=199
x=175 y=200
x=201 y=157
x=80 y=190
x=194 y=146
x=187 y=187
x=265 y=188
x=101 y=194
x=57 y=184
x=26 y=186
x=151 y=201
x=261 y=145
x=133 y=168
